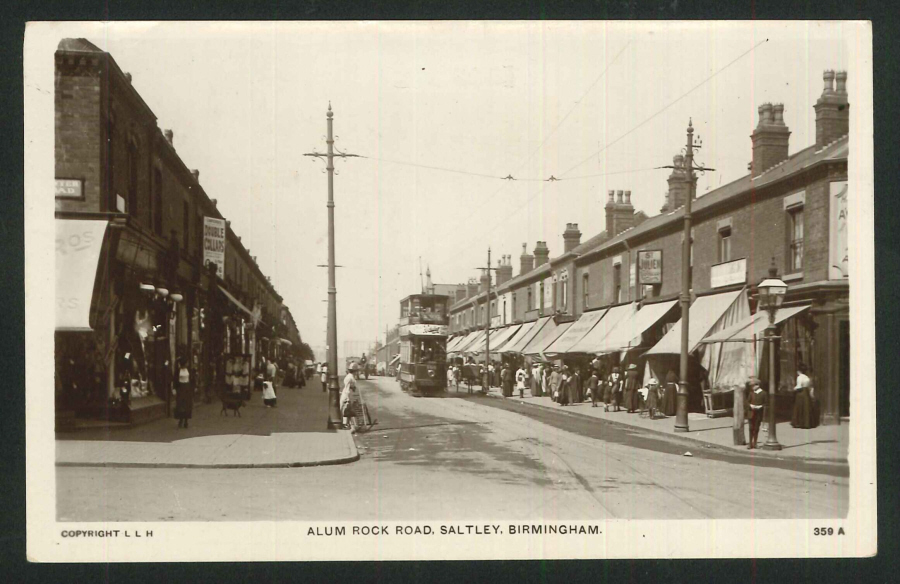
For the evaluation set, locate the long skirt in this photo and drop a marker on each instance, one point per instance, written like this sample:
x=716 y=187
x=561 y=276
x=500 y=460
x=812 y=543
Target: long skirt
x=670 y=400
x=653 y=399
x=507 y=389
x=535 y=387
x=184 y=402
x=629 y=399
x=806 y=413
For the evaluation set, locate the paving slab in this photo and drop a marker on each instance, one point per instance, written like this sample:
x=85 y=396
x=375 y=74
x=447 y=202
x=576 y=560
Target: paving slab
x=292 y=434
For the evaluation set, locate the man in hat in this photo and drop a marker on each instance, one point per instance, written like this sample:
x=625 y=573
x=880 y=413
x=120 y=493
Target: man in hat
x=614 y=389
x=631 y=388
x=756 y=403
x=594 y=386
x=555 y=381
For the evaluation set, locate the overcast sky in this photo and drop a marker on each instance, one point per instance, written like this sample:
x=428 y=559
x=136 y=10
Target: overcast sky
x=572 y=100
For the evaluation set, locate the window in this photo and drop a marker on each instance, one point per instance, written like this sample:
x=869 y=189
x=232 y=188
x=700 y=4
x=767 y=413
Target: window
x=564 y=301
x=156 y=205
x=724 y=244
x=132 y=179
x=185 y=225
x=617 y=283
x=530 y=305
x=795 y=239
x=513 y=312
x=585 y=291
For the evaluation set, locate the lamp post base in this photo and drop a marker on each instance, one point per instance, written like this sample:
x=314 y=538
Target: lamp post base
x=771 y=446
x=681 y=409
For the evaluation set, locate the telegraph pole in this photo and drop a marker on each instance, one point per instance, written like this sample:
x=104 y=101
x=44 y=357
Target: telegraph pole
x=487 y=321
x=334 y=413
x=681 y=411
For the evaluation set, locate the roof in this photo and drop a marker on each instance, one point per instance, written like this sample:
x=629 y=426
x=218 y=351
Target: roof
x=806 y=158
x=78 y=46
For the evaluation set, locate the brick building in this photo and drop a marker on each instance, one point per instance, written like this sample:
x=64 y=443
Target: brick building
x=790 y=209
x=133 y=295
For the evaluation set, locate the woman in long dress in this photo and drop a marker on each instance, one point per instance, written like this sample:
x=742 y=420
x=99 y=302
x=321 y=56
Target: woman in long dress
x=184 y=400
x=631 y=387
x=805 y=414
x=670 y=400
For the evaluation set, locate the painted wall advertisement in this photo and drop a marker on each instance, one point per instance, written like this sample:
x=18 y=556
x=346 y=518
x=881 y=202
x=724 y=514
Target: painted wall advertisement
x=650 y=266
x=838 y=249
x=214 y=243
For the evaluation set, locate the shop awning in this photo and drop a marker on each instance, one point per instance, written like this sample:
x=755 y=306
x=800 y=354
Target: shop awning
x=452 y=342
x=576 y=332
x=525 y=339
x=478 y=346
x=546 y=337
x=753 y=328
x=395 y=360
x=592 y=341
x=508 y=333
x=520 y=334
x=235 y=301
x=469 y=341
x=499 y=336
x=705 y=312
x=463 y=341
x=78 y=246
x=627 y=333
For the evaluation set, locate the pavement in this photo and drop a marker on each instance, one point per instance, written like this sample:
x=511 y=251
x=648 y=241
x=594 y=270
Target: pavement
x=292 y=434
x=825 y=443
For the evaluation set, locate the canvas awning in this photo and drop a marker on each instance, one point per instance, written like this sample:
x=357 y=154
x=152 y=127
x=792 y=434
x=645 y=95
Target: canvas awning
x=78 y=246
x=753 y=328
x=546 y=337
x=235 y=301
x=503 y=337
x=478 y=346
x=576 y=332
x=395 y=360
x=520 y=334
x=476 y=338
x=627 y=333
x=705 y=312
x=593 y=340
x=466 y=341
x=523 y=341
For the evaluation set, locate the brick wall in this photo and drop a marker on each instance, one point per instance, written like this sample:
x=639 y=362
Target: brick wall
x=77 y=130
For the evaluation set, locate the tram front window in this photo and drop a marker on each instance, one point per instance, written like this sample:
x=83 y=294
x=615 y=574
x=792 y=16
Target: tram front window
x=428 y=352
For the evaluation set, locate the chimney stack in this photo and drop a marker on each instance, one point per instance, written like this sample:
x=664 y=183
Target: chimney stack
x=619 y=213
x=460 y=293
x=770 y=139
x=169 y=134
x=526 y=261
x=678 y=186
x=485 y=281
x=832 y=110
x=504 y=274
x=471 y=288
x=571 y=237
x=541 y=254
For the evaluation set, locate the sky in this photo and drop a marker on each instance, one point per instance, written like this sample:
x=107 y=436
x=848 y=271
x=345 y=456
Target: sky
x=441 y=111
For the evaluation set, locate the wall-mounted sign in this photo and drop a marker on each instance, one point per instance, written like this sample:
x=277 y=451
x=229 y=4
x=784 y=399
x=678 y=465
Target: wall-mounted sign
x=650 y=266
x=838 y=249
x=68 y=188
x=632 y=275
x=728 y=273
x=214 y=243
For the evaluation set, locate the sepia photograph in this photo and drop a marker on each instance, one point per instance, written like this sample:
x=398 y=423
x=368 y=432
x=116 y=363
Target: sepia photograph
x=449 y=290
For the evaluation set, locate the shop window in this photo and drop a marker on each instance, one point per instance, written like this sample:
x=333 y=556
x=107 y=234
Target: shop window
x=585 y=291
x=795 y=238
x=724 y=244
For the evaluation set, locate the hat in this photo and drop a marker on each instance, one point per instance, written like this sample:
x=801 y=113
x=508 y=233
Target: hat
x=615 y=369
x=632 y=366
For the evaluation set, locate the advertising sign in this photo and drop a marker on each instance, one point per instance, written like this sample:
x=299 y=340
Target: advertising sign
x=438 y=330
x=78 y=246
x=729 y=273
x=214 y=243
x=650 y=266
x=632 y=275
x=69 y=188
x=838 y=250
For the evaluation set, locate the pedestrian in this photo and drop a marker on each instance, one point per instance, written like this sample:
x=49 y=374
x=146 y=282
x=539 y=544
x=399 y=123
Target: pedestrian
x=506 y=381
x=323 y=370
x=614 y=389
x=269 y=394
x=652 y=397
x=805 y=414
x=575 y=392
x=594 y=387
x=184 y=399
x=521 y=377
x=565 y=387
x=670 y=399
x=632 y=383
x=535 y=380
x=757 y=403
x=545 y=381
x=450 y=377
x=555 y=379
x=349 y=399
x=271 y=371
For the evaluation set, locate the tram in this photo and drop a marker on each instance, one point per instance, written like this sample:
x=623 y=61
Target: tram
x=424 y=327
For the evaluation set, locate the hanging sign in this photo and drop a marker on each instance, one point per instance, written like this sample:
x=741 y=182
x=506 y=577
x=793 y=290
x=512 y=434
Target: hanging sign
x=214 y=243
x=650 y=266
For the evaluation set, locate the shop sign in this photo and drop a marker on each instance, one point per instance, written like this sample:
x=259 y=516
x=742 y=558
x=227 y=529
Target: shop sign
x=67 y=188
x=838 y=250
x=632 y=275
x=728 y=273
x=214 y=243
x=650 y=266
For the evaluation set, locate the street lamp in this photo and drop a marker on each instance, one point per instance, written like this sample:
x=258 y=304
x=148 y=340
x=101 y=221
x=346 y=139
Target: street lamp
x=771 y=295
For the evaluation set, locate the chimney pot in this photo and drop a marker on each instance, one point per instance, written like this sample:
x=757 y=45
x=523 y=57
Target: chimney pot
x=828 y=78
x=214 y=202
x=619 y=197
x=169 y=134
x=612 y=195
x=627 y=197
x=196 y=174
x=778 y=110
x=128 y=77
x=841 y=79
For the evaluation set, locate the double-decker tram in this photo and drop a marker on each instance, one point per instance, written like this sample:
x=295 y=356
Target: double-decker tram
x=424 y=327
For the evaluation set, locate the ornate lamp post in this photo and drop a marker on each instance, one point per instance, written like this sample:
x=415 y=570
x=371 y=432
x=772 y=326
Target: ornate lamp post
x=771 y=295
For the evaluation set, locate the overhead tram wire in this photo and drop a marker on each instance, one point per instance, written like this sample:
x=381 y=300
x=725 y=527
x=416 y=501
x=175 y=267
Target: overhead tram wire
x=670 y=104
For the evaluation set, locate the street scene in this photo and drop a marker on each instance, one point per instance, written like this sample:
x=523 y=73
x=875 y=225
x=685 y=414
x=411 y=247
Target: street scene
x=459 y=273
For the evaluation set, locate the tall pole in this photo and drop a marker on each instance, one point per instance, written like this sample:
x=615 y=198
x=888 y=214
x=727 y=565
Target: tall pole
x=487 y=321
x=334 y=414
x=681 y=411
x=772 y=439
